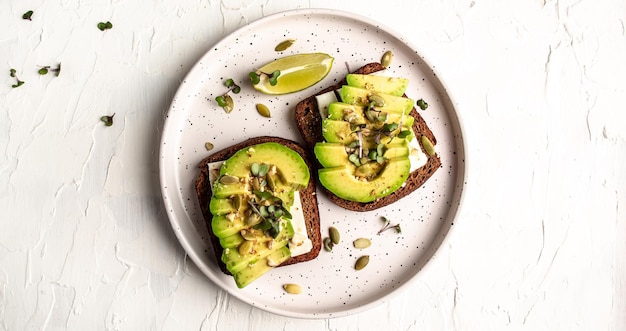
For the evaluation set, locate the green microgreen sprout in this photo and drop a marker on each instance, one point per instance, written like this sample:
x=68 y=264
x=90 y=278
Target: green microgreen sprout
x=355 y=159
x=105 y=26
x=107 y=120
x=255 y=77
x=422 y=104
x=267 y=206
x=28 y=15
x=19 y=82
x=225 y=100
x=274 y=77
x=45 y=69
x=388 y=226
x=404 y=133
x=388 y=128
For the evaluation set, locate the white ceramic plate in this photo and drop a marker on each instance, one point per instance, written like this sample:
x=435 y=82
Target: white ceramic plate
x=331 y=285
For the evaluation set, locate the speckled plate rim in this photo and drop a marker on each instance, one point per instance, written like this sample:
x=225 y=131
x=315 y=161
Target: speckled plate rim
x=189 y=243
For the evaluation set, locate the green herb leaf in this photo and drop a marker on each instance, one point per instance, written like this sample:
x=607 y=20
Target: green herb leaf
x=220 y=101
x=286 y=213
x=254 y=78
x=105 y=26
x=263 y=195
x=254 y=169
x=18 y=84
x=398 y=230
x=263 y=169
x=354 y=159
x=380 y=149
x=108 y=120
x=389 y=127
x=43 y=70
x=372 y=154
x=274 y=230
x=422 y=104
x=264 y=225
x=354 y=144
x=28 y=15
x=12 y=72
x=263 y=211
x=404 y=133
x=274 y=77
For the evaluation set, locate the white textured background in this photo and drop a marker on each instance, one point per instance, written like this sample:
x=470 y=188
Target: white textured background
x=540 y=243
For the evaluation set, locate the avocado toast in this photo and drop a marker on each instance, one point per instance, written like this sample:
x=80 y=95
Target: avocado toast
x=247 y=239
x=339 y=183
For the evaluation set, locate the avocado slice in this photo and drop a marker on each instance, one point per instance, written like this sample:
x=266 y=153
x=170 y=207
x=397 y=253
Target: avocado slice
x=223 y=227
x=235 y=261
x=261 y=266
x=224 y=206
x=343 y=182
x=346 y=112
x=232 y=241
x=382 y=84
x=222 y=191
x=331 y=154
x=360 y=96
x=290 y=165
x=337 y=131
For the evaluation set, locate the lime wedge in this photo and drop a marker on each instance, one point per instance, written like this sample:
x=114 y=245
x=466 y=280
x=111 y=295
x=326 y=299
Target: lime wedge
x=297 y=72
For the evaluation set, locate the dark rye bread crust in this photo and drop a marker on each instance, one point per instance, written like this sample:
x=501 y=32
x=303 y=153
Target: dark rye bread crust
x=307 y=197
x=309 y=122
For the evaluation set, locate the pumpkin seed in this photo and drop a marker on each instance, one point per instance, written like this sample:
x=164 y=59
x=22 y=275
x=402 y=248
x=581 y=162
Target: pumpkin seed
x=284 y=45
x=292 y=288
x=328 y=244
x=428 y=146
x=253 y=219
x=362 y=262
x=377 y=100
x=229 y=104
x=256 y=184
x=237 y=202
x=362 y=243
x=228 y=179
x=247 y=247
x=208 y=146
x=334 y=235
x=385 y=61
x=263 y=110
x=251 y=234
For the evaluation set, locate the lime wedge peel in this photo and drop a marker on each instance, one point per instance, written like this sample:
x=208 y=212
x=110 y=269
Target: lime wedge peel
x=297 y=72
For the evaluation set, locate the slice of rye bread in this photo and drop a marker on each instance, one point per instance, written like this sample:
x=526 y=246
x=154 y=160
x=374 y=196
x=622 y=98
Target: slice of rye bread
x=307 y=197
x=309 y=122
